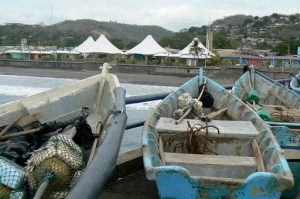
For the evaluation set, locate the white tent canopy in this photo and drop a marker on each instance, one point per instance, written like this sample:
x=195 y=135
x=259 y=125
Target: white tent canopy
x=147 y=47
x=103 y=45
x=167 y=54
x=84 y=47
x=185 y=53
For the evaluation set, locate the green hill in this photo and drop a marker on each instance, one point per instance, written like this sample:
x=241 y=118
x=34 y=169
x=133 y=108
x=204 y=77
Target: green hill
x=72 y=33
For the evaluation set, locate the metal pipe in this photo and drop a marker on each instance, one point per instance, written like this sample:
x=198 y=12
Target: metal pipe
x=146 y=98
x=134 y=125
x=287 y=124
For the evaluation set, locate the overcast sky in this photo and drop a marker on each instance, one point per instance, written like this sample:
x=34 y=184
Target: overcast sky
x=171 y=14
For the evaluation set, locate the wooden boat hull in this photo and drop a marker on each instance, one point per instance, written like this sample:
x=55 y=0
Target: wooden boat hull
x=295 y=85
x=103 y=95
x=175 y=181
x=288 y=139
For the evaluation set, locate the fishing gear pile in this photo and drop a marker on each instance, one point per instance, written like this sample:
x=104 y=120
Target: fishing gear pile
x=18 y=149
x=186 y=102
x=12 y=177
x=47 y=155
x=60 y=162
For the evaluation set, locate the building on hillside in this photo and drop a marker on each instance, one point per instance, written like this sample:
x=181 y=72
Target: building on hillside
x=29 y=54
x=264 y=61
x=209 y=38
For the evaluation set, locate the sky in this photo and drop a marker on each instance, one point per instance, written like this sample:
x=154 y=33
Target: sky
x=171 y=14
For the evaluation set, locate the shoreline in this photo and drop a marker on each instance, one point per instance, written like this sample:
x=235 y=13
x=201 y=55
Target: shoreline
x=129 y=78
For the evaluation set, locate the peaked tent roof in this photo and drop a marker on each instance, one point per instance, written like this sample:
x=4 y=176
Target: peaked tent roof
x=185 y=53
x=147 y=47
x=103 y=45
x=83 y=48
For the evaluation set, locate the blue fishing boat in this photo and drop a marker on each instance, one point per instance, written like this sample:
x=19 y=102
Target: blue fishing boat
x=203 y=142
x=280 y=108
x=295 y=84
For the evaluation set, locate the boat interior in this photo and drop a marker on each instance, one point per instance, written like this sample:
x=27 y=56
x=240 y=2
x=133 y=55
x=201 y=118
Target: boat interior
x=226 y=149
x=280 y=102
x=222 y=144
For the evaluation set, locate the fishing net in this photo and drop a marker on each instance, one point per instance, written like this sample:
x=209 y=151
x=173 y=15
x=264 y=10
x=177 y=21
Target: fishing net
x=59 y=160
x=8 y=193
x=185 y=102
x=11 y=174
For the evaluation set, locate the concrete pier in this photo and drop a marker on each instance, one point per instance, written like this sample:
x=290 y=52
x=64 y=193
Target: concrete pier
x=128 y=180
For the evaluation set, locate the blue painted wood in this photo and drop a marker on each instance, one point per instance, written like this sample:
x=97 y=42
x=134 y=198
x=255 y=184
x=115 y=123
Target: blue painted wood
x=286 y=138
x=146 y=98
x=294 y=84
x=174 y=181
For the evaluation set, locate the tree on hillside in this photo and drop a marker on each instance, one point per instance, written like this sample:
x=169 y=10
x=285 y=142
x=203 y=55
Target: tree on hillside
x=247 y=21
x=275 y=15
x=281 y=48
x=266 y=20
x=118 y=42
x=221 y=41
x=177 y=41
x=131 y=44
x=196 y=31
x=292 y=18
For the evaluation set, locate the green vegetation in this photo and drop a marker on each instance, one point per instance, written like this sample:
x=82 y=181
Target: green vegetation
x=280 y=33
x=73 y=33
x=287 y=47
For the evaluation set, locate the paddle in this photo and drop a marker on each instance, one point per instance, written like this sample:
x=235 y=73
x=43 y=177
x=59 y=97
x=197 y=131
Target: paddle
x=13 y=122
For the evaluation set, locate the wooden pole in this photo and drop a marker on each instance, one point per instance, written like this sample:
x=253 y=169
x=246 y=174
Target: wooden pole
x=258 y=156
x=4 y=131
x=28 y=132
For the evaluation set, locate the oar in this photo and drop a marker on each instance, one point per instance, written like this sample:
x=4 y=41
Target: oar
x=4 y=131
x=249 y=79
x=28 y=132
x=190 y=109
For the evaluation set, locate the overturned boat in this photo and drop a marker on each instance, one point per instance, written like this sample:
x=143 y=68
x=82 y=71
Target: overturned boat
x=279 y=107
x=63 y=142
x=203 y=142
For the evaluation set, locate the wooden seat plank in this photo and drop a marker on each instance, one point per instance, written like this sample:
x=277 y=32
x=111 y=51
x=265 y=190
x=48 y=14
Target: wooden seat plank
x=199 y=159
x=238 y=129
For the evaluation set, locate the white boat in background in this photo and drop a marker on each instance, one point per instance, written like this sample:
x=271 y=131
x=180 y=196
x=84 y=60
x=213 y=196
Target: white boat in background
x=79 y=128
